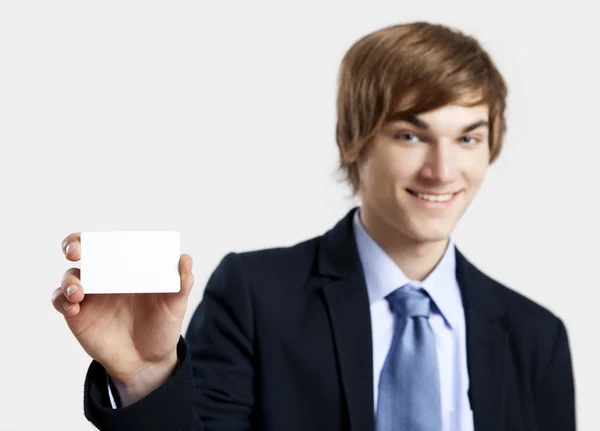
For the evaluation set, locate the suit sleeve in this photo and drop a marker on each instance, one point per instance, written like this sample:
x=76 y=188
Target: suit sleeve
x=555 y=399
x=221 y=344
x=171 y=406
x=213 y=388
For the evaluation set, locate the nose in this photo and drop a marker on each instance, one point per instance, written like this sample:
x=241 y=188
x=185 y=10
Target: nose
x=440 y=163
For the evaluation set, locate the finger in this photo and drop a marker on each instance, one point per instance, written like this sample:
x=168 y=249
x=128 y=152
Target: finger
x=71 y=246
x=185 y=264
x=71 y=285
x=64 y=306
x=185 y=270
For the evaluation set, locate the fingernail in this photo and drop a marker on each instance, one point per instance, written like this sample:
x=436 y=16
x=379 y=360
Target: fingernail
x=72 y=288
x=69 y=247
x=55 y=294
x=67 y=305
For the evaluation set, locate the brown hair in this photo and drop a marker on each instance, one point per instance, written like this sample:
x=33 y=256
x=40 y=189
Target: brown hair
x=408 y=69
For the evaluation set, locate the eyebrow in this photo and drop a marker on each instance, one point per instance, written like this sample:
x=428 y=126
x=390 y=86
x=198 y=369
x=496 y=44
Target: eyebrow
x=423 y=125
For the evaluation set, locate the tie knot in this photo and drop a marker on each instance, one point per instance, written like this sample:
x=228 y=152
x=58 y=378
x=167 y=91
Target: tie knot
x=410 y=302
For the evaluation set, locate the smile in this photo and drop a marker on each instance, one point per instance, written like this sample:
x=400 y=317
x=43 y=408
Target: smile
x=444 y=198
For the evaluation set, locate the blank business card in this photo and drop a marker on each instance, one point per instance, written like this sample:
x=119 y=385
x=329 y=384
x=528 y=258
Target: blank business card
x=130 y=262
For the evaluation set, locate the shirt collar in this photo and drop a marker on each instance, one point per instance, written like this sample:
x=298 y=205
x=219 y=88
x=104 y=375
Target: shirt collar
x=383 y=276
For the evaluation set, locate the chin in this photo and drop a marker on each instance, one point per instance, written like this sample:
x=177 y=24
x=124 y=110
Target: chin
x=430 y=234
x=430 y=238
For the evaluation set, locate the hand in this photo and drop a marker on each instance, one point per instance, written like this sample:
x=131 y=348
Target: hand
x=134 y=336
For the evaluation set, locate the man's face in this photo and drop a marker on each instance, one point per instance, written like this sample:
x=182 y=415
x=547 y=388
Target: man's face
x=419 y=175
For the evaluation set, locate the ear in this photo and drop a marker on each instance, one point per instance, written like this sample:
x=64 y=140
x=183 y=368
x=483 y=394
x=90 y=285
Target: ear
x=341 y=143
x=346 y=153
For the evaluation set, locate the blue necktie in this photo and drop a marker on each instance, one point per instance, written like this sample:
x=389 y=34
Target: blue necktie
x=409 y=386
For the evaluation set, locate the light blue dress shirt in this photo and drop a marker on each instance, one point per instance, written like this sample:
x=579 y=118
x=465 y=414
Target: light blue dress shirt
x=447 y=320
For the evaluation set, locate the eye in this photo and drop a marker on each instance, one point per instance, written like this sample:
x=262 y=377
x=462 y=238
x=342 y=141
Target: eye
x=469 y=140
x=408 y=137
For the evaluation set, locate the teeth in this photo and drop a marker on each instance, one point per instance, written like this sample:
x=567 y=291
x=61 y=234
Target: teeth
x=435 y=198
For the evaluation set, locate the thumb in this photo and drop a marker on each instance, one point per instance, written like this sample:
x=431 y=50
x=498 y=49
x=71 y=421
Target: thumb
x=185 y=271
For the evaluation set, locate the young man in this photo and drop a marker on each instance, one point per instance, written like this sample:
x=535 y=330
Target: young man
x=379 y=324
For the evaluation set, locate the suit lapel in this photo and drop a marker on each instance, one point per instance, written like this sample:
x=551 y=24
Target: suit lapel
x=346 y=298
x=348 y=308
x=487 y=345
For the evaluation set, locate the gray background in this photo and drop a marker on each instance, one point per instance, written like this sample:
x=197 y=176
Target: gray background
x=217 y=119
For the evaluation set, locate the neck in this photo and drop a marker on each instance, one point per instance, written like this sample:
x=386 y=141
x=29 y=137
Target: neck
x=417 y=259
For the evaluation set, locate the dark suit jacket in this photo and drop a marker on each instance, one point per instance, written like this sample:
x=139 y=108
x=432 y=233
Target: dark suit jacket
x=282 y=342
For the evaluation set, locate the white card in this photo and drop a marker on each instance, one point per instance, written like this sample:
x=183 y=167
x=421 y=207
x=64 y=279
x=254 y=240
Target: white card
x=130 y=262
